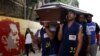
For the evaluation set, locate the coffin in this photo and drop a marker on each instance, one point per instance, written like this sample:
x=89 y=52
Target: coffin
x=56 y=11
x=49 y=13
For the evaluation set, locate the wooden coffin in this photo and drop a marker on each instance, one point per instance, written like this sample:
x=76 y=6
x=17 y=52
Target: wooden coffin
x=49 y=14
x=55 y=11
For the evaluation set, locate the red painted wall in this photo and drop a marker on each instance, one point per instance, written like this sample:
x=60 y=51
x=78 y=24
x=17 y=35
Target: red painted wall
x=11 y=41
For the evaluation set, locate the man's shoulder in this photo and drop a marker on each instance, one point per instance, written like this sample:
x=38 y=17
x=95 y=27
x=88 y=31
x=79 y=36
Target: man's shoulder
x=42 y=28
x=92 y=23
x=78 y=24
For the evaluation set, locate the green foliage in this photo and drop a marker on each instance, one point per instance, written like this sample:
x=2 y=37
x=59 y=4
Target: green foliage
x=70 y=2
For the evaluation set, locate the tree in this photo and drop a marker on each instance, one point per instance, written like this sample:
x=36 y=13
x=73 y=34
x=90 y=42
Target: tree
x=9 y=8
x=70 y=2
x=47 y=1
x=25 y=8
x=31 y=14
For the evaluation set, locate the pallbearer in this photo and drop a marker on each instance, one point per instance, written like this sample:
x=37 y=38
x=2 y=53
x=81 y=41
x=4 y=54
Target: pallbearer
x=46 y=35
x=82 y=21
x=70 y=35
x=92 y=29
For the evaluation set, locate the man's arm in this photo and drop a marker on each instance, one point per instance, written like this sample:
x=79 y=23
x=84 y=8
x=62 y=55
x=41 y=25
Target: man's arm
x=38 y=39
x=80 y=40
x=97 y=34
x=89 y=44
x=89 y=38
x=60 y=32
x=33 y=37
x=49 y=33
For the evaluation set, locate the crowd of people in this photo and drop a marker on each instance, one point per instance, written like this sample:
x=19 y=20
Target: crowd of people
x=77 y=36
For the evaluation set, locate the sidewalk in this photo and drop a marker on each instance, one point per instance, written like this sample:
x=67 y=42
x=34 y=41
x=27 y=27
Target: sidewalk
x=36 y=54
x=39 y=54
x=98 y=53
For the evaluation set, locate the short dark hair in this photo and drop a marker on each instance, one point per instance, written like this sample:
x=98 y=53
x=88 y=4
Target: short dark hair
x=72 y=11
x=90 y=15
x=82 y=15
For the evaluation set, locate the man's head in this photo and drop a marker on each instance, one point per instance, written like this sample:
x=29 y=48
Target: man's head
x=71 y=15
x=28 y=30
x=89 y=18
x=45 y=23
x=81 y=18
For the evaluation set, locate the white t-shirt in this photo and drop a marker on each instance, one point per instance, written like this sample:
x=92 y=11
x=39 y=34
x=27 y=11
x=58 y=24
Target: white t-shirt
x=28 y=39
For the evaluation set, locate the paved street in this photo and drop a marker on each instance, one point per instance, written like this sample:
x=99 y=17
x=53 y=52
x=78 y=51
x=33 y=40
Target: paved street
x=39 y=54
x=98 y=54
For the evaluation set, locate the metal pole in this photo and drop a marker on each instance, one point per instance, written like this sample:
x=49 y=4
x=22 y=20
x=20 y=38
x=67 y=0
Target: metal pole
x=24 y=9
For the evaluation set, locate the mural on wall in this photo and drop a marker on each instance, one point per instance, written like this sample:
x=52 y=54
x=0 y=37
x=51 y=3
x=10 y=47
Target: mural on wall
x=11 y=39
x=12 y=31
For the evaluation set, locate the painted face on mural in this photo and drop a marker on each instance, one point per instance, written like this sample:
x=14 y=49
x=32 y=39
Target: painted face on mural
x=13 y=35
x=12 y=40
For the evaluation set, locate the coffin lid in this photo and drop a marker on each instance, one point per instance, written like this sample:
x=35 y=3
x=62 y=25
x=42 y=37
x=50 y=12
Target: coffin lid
x=62 y=5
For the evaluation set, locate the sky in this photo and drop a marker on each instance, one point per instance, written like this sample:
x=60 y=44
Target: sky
x=91 y=6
